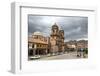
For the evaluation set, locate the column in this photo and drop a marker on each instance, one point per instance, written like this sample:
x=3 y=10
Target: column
x=34 y=50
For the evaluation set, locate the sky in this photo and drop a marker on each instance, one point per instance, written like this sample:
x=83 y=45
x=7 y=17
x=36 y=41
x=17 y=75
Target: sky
x=75 y=27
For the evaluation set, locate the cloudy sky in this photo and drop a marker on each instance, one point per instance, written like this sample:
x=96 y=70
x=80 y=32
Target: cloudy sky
x=75 y=28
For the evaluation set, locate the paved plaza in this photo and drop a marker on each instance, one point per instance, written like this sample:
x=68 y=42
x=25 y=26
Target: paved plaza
x=71 y=55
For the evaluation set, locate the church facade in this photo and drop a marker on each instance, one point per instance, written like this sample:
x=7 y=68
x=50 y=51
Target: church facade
x=57 y=39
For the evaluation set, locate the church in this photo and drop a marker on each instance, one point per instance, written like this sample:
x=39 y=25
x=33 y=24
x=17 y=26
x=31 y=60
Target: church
x=38 y=44
x=56 y=39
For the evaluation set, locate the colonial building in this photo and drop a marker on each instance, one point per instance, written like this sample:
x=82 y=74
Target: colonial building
x=70 y=45
x=57 y=39
x=82 y=44
x=75 y=45
x=38 y=44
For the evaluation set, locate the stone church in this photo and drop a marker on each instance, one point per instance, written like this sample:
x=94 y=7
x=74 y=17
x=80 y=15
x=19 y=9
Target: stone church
x=57 y=39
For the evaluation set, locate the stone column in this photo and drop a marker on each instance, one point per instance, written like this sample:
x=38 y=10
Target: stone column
x=34 y=50
x=46 y=51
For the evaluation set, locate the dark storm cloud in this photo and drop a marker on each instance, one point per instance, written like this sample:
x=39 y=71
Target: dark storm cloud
x=74 y=27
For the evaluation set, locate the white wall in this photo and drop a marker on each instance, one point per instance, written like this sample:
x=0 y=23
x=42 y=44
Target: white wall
x=5 y=33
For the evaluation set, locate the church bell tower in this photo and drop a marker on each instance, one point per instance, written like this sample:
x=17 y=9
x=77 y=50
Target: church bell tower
x=54 y=38
x=57 y=39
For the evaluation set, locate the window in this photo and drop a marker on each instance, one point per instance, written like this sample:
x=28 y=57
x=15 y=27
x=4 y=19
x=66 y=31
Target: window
x=33 y=46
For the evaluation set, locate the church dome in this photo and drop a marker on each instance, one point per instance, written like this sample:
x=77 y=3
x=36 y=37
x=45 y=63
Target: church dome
x=55 y=26
x=38 y=33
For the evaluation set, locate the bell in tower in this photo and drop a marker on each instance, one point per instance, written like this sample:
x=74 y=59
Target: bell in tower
x=55 y=29
x=54 y=38
x=62 y=33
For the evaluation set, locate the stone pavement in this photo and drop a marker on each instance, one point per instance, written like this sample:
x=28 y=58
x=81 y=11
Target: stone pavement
x=71 y=55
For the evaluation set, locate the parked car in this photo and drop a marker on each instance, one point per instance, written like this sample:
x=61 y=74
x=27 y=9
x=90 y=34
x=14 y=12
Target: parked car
x=34 y=57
